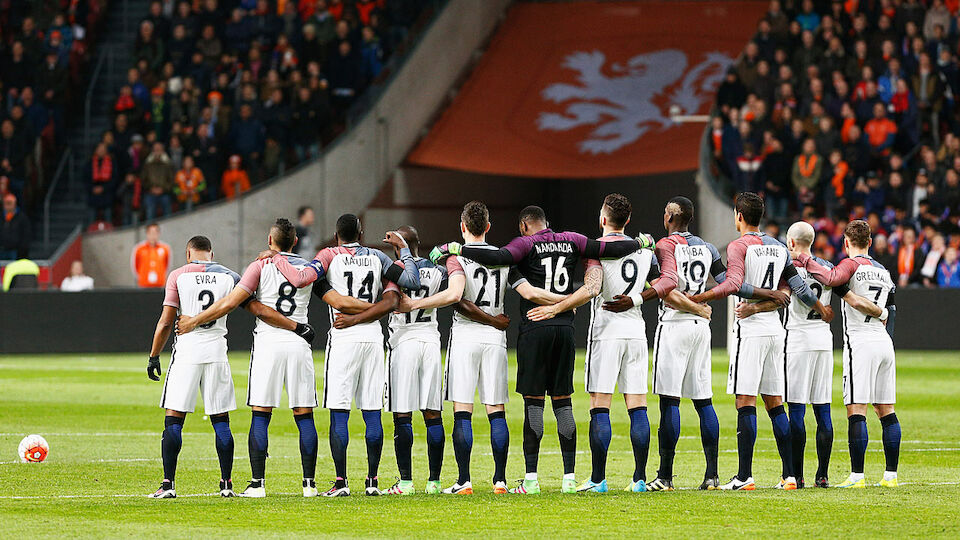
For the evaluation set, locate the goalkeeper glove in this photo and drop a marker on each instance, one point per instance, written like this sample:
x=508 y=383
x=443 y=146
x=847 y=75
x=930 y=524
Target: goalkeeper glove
x=153 y=368
x=443 y=251
x=305 y=331
x=646 y=242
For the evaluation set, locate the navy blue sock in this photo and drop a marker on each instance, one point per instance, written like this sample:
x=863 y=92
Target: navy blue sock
x=339 y=439
x=668 y=434
x=170 y=444
x=640 y=441
x=374 y=438
x=435 y=440
x=857 y=440
x=709 y=434
x=224 y=443
x=824 y=438
x=891 y=441
x=746 y=438
x=600 y=434
x=798 y=436
x=781 y=432
x=257 y=443
x=499 y=444
x=403 y=445
x=308 y=443
x=463 y=443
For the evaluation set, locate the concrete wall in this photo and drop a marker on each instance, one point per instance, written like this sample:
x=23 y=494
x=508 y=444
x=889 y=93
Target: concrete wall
x=346 y=178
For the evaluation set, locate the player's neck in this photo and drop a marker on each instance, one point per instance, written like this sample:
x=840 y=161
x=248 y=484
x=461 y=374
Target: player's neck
x=471 y=239
x=857 y=252
x=674 y=230
x=747 y=229
x=611 y=230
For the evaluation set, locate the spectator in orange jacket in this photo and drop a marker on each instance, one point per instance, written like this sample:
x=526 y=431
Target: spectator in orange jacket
x=190 y=183
x=880 y=130
x=235 y=180
x=151 y=259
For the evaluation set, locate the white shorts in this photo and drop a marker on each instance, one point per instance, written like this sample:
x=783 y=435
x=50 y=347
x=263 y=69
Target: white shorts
x=414 y=377
x=681 y=360
x=213 y=380
x=353 y=372
x=616 y=364
x=276 y=364
x=808 y=377
x=756 y=366
x=476 y=365
x=869 y=373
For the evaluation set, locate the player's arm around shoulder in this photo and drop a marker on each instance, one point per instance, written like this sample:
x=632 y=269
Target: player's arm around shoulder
x=387 y=304
x=452 y=294
x=592 y=284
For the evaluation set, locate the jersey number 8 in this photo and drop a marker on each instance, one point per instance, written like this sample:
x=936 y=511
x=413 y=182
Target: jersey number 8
x=286 y=292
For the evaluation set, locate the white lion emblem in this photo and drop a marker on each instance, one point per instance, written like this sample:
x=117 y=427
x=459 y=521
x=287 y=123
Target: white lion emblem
x=623 y=105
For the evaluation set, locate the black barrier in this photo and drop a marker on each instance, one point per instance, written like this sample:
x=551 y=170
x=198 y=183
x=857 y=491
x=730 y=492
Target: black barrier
x=124 y=320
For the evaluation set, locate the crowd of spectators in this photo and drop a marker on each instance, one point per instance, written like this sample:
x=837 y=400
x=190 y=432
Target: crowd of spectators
x=840 y=110
x=224 y=94
x=43 y=48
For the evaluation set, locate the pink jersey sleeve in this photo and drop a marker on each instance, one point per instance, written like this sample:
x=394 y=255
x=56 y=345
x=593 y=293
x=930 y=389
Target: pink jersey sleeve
x=453 y=266
x=389 y=286
x=302 y=277
x=250 y=280
x=831 y=277
x=668 y=267
x=736 y=262
x=171 y=295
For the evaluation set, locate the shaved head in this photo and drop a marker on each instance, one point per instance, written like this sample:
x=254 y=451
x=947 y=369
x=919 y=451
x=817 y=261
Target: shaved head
x=802 y=233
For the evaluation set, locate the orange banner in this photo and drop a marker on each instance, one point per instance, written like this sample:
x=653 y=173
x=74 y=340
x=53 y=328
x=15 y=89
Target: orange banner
x=588 y=89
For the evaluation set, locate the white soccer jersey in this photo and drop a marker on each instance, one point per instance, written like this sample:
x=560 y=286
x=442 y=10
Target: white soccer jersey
x=484 y=287
x=419 y=324
x=806 y=330
x=191 y=289
x=871 y=281
x=694 y=260
x=625 y=276
x=264 y=279
x=357 y=271
x=764 y=261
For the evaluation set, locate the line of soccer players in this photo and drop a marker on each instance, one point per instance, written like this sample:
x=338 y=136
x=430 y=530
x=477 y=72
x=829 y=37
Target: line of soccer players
x=786 y=359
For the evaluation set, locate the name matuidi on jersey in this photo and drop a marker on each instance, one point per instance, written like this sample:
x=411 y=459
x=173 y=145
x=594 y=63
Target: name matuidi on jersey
x=358 y=261
x=553 y=247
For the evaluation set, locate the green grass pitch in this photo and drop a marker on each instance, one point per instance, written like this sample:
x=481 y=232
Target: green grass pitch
x=100 y=416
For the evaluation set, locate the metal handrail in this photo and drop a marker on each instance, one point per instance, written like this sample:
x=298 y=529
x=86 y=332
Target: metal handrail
x=65 y=159
x=105 y=51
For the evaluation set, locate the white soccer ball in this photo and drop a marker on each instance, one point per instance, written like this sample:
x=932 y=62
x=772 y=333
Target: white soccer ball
x=33 y=449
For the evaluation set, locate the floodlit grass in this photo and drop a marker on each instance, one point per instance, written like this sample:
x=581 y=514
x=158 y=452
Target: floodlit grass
x=100 y=416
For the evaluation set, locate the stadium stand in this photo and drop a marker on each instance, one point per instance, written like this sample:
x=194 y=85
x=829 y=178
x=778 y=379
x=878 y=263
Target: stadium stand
x=848 y=110
x=44 y=49
x=263 y=83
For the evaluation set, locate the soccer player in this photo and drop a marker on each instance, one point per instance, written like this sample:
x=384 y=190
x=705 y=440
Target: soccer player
x=278 y=359
x=616 y=344
x=201 y=359
x=756 y=363
x=869 y=365
x=477 y=350
x=353 y=367
x=414 y=374
x=545 y=349
x=808 y=368
x=681 y=354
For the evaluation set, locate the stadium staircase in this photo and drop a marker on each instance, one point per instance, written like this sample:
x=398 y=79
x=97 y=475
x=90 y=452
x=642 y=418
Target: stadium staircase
x=113 y=54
